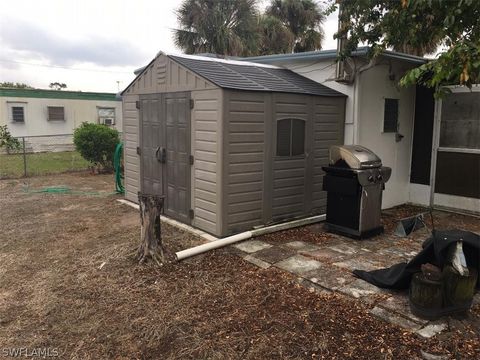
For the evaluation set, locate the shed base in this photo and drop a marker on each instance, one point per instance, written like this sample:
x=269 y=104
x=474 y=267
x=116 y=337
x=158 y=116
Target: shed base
x=353 y=233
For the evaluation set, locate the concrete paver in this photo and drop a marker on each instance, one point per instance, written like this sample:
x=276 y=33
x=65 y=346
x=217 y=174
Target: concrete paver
x=394 y=319
x=298 y=264
x=252 y=246
x=274 y=254
x=302 y=246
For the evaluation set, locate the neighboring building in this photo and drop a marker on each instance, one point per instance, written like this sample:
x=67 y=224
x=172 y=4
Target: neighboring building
x=38 y=114
x=379 y=113
x=231 y=145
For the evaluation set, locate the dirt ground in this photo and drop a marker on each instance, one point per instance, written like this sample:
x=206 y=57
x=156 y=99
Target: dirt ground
x=68 y=282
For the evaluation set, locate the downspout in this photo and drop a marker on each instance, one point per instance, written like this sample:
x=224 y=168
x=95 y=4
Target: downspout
x=200 y=249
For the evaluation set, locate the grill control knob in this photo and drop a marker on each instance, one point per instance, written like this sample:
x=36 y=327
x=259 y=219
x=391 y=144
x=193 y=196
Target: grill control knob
x=370 y=178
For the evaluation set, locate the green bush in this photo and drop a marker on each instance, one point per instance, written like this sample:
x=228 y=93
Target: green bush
x=96 y=143
x=8 y=141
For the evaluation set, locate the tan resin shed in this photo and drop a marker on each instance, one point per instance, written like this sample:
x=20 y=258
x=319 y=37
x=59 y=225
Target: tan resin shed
x=232 y=145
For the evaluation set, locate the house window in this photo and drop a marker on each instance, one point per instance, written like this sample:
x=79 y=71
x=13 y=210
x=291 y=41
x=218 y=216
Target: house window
x=18 y=114
x=390 y=117
x=106 y=116
x=16 y=111
x=290 y=137
x=56 y=113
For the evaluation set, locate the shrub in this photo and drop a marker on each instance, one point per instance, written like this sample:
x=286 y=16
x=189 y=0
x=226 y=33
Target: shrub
x=96 y=143
x=7 y=140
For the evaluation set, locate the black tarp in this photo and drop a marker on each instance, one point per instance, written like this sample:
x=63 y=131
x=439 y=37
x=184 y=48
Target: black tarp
x=434 y=252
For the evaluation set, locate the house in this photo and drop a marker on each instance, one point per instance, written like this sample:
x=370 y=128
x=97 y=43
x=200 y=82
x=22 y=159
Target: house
x=47 y=118
x=232 y=145
x=424 y=141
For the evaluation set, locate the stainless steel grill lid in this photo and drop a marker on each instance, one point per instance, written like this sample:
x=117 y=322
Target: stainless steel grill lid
x=355 y=156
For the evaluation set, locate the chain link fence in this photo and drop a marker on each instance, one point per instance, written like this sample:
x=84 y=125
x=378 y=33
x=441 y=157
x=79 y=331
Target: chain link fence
x=41 y=155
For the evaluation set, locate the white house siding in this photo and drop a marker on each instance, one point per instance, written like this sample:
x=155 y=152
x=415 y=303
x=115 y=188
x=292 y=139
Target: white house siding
x=36 y=115
x=374 y=86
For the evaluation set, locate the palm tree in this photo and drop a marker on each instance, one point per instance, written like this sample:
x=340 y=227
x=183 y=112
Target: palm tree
x=303 y=18
x=275 y=38
x=225 y=27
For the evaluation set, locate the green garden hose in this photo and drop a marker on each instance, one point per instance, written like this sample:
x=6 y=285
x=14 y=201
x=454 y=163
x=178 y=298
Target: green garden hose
x=117 y=165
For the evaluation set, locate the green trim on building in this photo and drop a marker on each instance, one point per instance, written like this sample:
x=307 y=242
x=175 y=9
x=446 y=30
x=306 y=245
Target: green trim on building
x=57 y=94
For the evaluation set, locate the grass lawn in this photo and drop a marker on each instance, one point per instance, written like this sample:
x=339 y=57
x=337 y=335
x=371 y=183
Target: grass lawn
x=11 y=166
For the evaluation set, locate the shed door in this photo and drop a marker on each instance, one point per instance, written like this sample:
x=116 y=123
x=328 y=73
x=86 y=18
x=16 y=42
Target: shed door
x=152 y=140
x=177 y=111
x=165 y=151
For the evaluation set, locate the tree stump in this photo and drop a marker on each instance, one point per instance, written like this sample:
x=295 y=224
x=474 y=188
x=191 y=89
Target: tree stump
x=459 y=290
x=151 y=246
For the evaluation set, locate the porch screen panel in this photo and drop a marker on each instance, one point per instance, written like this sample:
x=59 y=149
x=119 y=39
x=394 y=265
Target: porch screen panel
x=460 y=125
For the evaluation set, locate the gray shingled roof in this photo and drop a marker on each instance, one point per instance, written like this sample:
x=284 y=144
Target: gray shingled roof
x=253 y=77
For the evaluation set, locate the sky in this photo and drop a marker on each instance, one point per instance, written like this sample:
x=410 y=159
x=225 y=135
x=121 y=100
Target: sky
x=90 y=45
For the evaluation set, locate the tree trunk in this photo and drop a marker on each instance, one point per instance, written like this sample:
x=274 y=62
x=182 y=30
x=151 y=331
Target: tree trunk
x=151 y=246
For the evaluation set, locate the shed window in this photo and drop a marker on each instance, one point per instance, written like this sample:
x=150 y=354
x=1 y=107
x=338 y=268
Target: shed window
x=290 y=137
x=56 y=113
x=18 y=114
x=390 y=118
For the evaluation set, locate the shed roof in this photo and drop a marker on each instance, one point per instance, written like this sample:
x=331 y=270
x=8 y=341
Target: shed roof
x=242 y=75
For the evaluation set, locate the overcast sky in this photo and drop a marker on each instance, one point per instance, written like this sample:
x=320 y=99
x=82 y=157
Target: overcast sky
x=90 y=45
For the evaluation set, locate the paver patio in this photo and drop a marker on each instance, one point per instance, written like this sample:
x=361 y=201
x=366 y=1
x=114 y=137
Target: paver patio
x=327 y=266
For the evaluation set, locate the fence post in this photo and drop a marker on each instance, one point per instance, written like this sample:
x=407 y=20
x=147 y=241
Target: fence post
x=24 y=158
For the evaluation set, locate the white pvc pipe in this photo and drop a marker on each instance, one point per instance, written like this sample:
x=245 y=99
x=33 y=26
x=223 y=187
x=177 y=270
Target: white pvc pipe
x=200 y=249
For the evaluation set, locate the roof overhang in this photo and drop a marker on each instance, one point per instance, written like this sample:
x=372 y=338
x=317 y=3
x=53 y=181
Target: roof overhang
x=332 y=55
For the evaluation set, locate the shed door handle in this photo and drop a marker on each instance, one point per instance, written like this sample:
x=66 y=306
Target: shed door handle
x=161 y=154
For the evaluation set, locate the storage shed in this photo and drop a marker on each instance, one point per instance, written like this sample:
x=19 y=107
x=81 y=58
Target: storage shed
x=232 y=145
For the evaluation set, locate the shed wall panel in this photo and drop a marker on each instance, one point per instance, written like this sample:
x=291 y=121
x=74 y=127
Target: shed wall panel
x=289 y=191
x=329 y=115
x=165 y=75
x=244 y=154
x=261 y=187
x=130 y=139
x=206 y=147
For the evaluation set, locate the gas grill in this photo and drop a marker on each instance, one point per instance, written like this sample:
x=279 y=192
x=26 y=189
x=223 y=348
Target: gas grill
x=354 y=181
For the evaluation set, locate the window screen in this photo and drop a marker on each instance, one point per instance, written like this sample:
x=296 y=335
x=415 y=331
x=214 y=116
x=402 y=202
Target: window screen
x=56 y=113
x=460 y=122
x=18 y=114
x=390 y=118
x=290 y=137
